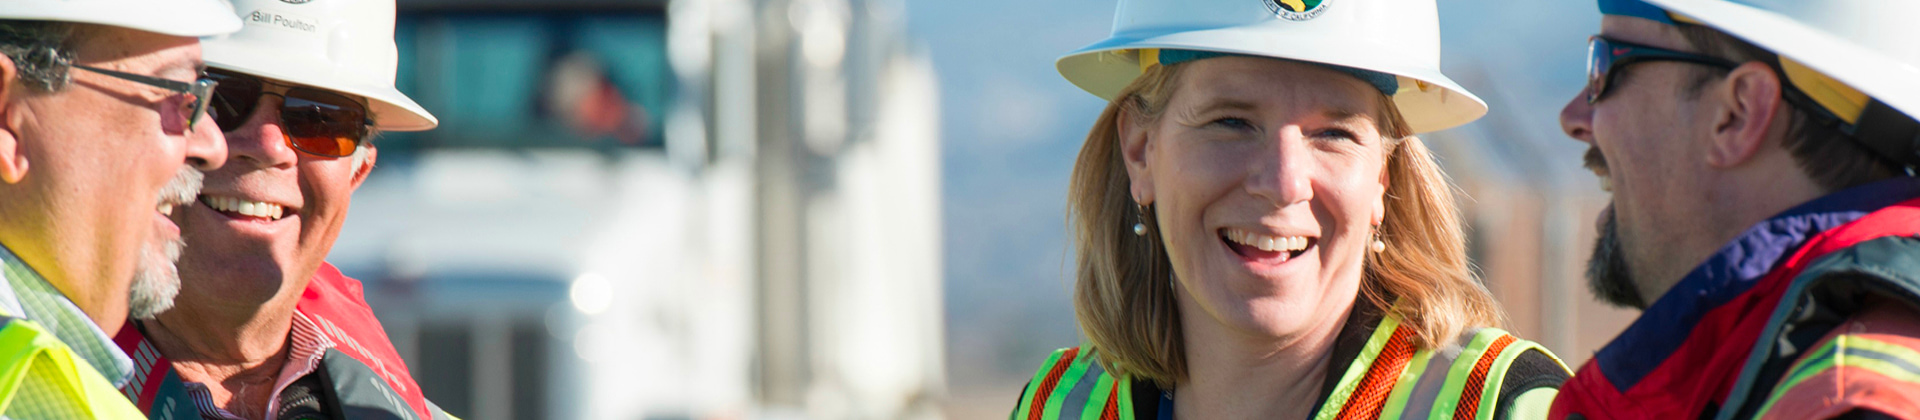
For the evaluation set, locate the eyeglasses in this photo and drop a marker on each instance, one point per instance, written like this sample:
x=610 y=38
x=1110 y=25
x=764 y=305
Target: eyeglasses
x=1605 y=57
x=200 y=89
x=313 y=120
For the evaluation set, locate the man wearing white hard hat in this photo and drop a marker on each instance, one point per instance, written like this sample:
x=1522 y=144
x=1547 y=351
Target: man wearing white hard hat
x=263 y=326
x=1260 y=235
x=103 y=131
x=1761 y=157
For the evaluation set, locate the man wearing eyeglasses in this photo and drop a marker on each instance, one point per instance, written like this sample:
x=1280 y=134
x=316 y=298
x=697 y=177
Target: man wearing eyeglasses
x=263 y=327
x=101 y=133
x=1761 y=157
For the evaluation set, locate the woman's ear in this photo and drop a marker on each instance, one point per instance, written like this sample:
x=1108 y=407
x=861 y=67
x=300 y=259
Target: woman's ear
x=1136 y=146
x=1386 y=183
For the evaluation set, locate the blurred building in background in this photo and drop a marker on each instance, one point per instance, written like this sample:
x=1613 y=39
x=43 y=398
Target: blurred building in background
x=652 y=209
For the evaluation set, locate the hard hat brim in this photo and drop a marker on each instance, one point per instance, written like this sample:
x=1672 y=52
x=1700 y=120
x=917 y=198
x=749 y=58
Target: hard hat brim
x=391 y=109
x=1891 y=81
x=1428 y=99
x=196 y=18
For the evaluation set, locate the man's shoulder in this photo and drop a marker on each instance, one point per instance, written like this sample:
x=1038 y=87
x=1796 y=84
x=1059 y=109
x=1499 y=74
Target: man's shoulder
x=1871 y=361
x=1885 y=320
x=335 y=302
x=42 y=378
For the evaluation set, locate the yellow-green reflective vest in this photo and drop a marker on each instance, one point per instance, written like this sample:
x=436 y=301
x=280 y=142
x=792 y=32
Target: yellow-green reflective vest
x=1389 y=379
x=28 y=351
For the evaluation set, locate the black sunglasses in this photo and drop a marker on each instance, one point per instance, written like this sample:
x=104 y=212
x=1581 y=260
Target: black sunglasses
x=201 y=89
x=315 y=121
x=1605 y=57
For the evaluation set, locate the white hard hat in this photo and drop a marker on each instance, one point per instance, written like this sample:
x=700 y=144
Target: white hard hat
x=1396 y=37
x=340 y=45
x=1864 y=56
x=193 y=18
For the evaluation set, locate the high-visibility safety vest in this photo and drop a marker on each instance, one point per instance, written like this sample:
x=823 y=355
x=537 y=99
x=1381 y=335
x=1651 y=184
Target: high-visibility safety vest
x=1388 y=379
x=28 y=351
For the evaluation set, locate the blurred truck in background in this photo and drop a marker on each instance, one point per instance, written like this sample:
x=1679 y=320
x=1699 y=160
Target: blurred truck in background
x=651 y=209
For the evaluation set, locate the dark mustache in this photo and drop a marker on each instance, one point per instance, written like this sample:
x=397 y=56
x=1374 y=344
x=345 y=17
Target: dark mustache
x=1595 y=161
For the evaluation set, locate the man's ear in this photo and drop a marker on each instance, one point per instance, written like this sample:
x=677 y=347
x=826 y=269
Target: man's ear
x=360 y=173
x=13 y=157
x=1749 y=106
x=1135 y=145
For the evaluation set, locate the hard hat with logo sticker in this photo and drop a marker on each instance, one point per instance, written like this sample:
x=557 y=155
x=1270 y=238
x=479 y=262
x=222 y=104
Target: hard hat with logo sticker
x=1857 y=59
x=341 y=45
x=194 y=18
x=1397 y=40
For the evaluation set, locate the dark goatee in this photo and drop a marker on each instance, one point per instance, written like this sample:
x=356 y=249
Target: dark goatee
x=1607 y=273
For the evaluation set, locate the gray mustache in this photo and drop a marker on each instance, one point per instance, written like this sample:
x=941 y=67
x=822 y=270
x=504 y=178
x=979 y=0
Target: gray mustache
x=183 y=188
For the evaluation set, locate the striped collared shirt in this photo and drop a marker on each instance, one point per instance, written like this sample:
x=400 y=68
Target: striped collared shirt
x=27 y=295
x=306 y=345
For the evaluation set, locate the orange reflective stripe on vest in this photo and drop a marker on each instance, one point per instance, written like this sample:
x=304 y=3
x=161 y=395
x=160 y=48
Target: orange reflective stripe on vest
x=1476 y=381
x=1371 y=396
x=1038 y=407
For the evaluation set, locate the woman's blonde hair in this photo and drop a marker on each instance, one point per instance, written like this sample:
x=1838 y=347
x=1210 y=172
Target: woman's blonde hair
x=1123 y=297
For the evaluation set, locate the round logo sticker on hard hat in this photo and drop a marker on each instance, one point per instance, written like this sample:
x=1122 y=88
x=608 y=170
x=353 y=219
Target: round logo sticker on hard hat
x=1297 y=10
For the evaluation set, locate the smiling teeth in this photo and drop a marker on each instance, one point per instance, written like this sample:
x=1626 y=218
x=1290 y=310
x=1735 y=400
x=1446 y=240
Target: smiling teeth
x=250 y=208
x=165 y=209
x=1606 y=184
x=1267 y=243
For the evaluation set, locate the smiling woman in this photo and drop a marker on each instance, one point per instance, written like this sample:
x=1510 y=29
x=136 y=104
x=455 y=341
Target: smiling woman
x=1258 y=228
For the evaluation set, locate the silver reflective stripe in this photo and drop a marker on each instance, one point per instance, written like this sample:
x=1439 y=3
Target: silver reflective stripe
x=1076 y=402
x=1427 y=390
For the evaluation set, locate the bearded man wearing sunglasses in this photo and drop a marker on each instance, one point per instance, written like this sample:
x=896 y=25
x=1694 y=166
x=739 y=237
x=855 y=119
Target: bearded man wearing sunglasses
x=263 y=326
x=1765 y=214
x=101 y=135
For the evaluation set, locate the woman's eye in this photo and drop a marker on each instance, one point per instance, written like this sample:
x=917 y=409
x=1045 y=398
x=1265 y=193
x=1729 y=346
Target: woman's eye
x=1232 y=123
x=1335 y=133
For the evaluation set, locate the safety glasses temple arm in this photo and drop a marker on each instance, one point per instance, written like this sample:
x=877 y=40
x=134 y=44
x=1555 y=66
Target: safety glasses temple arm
x=199 y=88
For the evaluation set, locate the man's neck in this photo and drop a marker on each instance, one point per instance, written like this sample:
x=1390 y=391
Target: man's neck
x=1740 y=202
x=44 y=257
x=237 y=352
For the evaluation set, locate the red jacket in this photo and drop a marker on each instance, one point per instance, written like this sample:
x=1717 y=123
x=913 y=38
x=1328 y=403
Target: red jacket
x=1689 y=351
x=339 y=305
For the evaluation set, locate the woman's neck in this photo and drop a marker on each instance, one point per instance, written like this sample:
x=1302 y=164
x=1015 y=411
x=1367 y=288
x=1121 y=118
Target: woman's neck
x=1231 y=375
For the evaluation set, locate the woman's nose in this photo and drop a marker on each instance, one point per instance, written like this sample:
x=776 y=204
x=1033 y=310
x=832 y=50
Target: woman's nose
x=1282 y=172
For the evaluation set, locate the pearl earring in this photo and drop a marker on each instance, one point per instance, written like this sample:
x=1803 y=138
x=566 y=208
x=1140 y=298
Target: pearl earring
x=1140 y=226
x=1378 y=245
